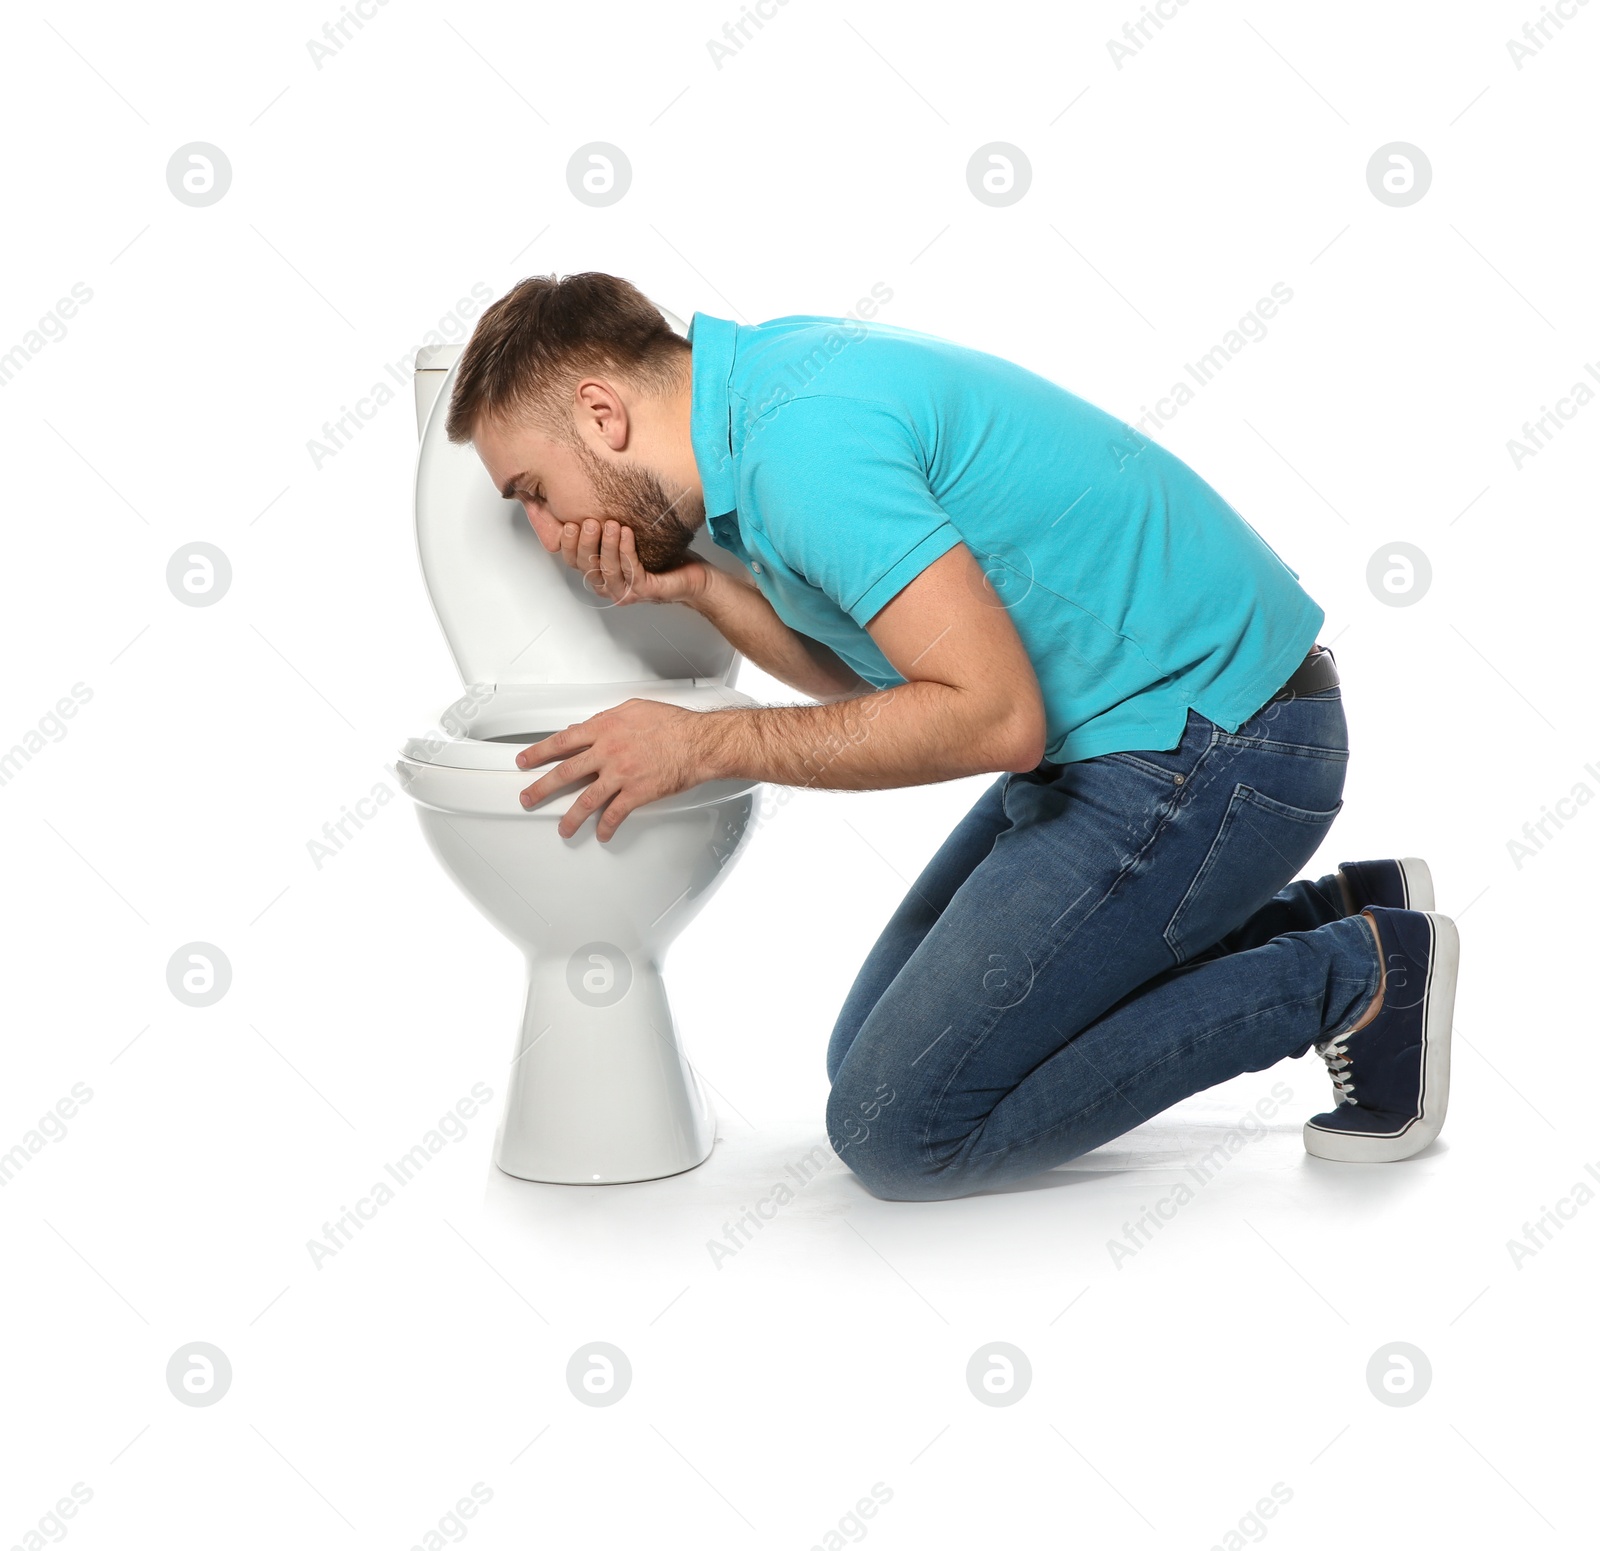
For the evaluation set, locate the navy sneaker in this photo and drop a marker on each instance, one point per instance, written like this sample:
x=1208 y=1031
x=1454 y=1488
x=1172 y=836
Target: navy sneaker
x=1391 y=1078
x=1405 y=884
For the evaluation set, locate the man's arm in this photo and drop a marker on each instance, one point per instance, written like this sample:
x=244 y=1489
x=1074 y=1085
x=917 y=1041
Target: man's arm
x=752 y=627
x=971 y=703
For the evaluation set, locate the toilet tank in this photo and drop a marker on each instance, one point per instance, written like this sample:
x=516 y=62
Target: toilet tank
x=511 y=612
x=433 y=364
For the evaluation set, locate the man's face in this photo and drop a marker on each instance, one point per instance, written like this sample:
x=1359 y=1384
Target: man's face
x=559 y=482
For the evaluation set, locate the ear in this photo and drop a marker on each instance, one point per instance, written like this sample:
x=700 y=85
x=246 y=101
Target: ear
x=601 y=406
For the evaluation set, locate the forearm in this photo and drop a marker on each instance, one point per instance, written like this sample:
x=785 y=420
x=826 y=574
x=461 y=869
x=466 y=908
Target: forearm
x=750 y=625
x=908 y=735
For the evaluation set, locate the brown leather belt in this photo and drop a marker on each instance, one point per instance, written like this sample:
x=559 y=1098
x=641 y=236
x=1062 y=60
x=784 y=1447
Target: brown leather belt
x=1317 y=672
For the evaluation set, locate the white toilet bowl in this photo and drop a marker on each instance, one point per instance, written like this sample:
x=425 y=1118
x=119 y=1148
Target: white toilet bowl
x=599 y=1090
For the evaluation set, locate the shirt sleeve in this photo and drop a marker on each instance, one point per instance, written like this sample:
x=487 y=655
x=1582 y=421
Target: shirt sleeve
x=838 y=487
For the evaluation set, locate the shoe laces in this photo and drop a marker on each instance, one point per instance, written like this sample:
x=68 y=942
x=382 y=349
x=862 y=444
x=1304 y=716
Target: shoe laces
x=1337 y=1056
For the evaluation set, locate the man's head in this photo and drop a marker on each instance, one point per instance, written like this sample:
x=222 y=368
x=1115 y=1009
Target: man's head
x=575 y=393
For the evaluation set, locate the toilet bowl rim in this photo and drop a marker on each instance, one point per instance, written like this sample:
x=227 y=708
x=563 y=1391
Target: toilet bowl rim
x=459 y=790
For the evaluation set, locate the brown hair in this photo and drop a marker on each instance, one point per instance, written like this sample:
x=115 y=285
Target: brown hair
x=533 y=346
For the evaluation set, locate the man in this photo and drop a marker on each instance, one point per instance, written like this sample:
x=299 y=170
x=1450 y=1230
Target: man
x=971 y=570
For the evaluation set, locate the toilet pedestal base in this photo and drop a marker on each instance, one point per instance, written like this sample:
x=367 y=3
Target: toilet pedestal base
x=599 y=1092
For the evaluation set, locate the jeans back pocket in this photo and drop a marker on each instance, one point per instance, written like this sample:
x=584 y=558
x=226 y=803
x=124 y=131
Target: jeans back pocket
x=1260 y=846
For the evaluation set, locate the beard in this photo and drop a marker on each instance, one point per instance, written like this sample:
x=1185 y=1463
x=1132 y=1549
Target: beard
x=663 y=526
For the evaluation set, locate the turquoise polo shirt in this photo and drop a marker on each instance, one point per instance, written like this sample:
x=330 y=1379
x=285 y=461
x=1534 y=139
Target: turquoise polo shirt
x=839 y=458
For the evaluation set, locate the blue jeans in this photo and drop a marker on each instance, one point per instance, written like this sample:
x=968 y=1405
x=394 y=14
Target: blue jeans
x=1093 y=943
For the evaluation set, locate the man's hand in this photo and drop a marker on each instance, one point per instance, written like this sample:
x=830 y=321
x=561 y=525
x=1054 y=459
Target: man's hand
x=611 y=567
x=635 y=752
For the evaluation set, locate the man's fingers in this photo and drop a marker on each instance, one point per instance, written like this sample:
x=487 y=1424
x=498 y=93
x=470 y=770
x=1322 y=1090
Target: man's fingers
x=610 y=563
x=605 y=554
x=628 y=556
x=550 y=781
x=593 y=796
x=599 y=569
x=568 y=771
x=553 y=747
x=615 y=812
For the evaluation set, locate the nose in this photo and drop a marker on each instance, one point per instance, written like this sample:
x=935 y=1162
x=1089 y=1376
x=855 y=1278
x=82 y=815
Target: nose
x=546 y=529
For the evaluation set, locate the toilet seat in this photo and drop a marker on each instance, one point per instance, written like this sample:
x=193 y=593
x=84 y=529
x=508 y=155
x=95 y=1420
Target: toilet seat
x=496 y=728
x=479 y=773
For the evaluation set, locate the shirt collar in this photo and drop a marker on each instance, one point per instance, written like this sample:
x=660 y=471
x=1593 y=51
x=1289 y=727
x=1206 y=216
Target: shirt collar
x=711 y=342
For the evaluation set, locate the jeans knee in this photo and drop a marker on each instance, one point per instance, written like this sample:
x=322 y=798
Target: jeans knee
x=913 y=1187
x=884 y=1157
x=891 y=1179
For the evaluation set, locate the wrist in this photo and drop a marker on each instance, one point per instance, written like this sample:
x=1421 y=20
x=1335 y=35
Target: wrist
x=709 y=742
x=704 y=596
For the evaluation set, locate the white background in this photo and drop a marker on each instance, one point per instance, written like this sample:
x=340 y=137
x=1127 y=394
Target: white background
x=768 y=1396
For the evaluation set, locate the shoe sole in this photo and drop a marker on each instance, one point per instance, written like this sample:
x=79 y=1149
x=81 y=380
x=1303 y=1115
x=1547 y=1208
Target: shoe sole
x=1438 y=1012
x=1417 y=881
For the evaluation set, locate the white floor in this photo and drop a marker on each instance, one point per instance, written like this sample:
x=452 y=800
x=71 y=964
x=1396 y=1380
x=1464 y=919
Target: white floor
x=168 y=1169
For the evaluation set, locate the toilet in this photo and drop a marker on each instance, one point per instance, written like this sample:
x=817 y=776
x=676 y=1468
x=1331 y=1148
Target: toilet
x=599 y=1089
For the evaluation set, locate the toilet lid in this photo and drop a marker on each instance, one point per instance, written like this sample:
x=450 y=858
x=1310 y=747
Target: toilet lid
x=513 y=614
